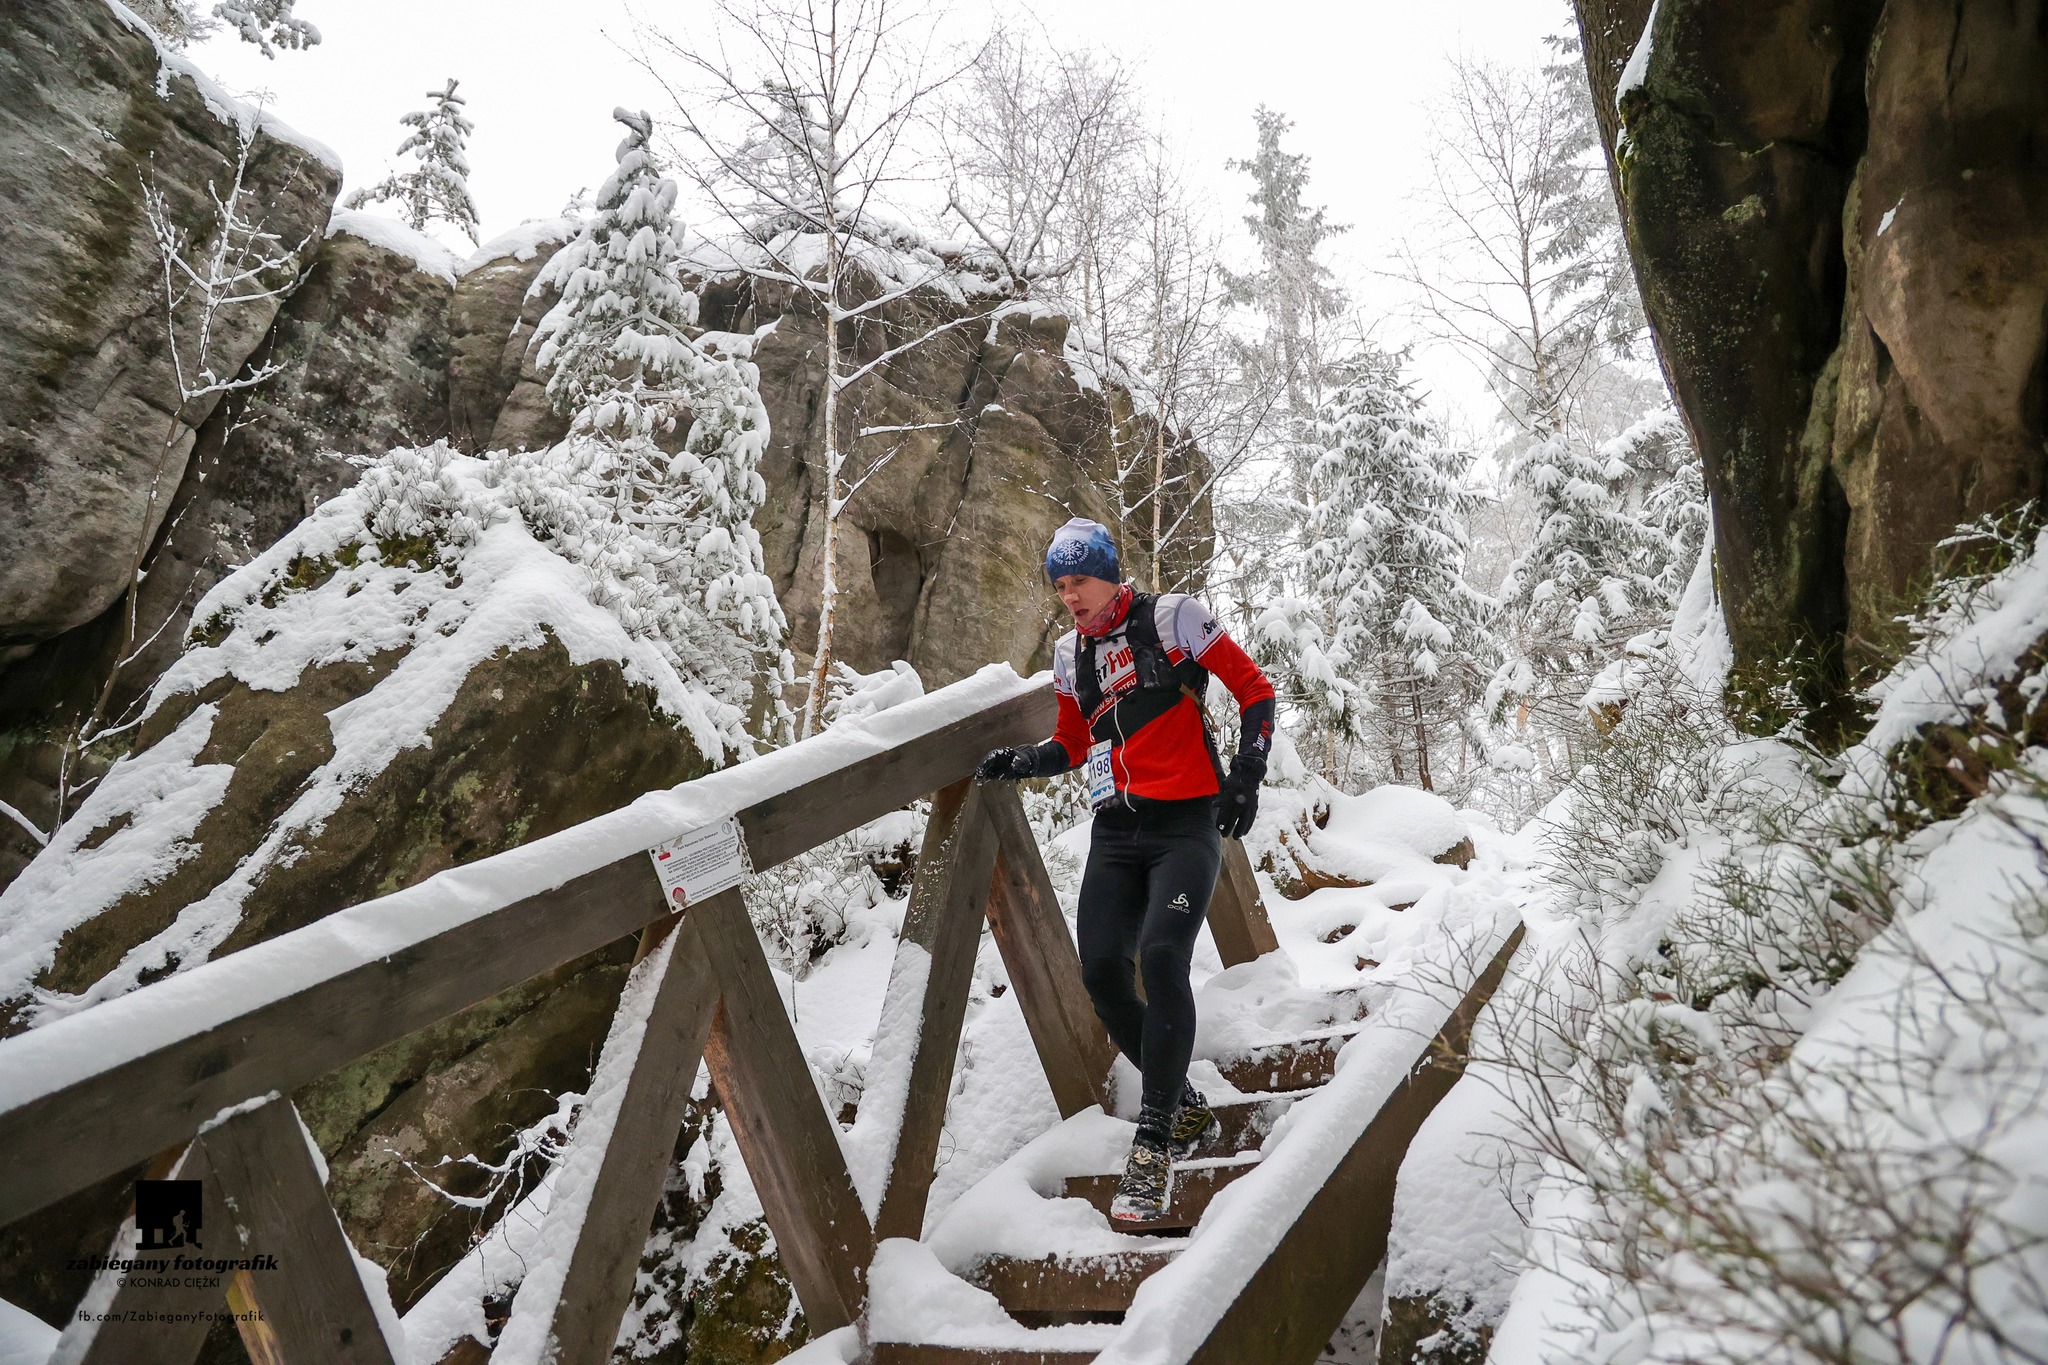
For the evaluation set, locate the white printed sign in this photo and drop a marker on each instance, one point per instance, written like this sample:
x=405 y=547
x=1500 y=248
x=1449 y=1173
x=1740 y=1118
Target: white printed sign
x=702 y=863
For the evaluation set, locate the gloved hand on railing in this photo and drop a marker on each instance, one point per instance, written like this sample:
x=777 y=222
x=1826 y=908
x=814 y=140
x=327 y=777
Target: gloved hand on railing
x=1237 y=805
x=1008 y=765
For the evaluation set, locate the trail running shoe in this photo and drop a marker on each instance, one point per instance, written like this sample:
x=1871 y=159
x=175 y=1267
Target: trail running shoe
x=1142 y=1195
x=1192 y=1121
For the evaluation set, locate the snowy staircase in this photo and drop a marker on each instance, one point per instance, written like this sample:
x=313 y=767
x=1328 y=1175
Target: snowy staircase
x=1096 y=1286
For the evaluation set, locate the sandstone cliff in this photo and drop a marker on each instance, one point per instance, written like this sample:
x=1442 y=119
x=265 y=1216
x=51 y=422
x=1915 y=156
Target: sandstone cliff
x=90 y=113
x=1839 y=215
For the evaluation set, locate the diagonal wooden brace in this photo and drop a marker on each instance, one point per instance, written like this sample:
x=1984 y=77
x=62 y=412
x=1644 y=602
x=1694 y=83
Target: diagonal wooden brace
x=935 y=959
x=1237 y=918
x=314 y=1306
x=1045 y=969
x=141 y=1322
x=790 y=1144
x=643 y=1082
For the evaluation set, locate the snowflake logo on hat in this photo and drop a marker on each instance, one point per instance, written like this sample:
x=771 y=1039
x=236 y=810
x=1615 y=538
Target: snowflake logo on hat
x=1070 y=551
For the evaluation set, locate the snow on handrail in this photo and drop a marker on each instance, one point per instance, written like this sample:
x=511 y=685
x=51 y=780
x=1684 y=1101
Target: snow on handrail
x=77 y=1052
x=1177 y=1309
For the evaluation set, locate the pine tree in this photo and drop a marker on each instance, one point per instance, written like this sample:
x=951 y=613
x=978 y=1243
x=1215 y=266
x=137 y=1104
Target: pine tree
x=1666 y=478
x=1292 y=289
x=439 y=186
x=269 y=24
x=1587 y=583
x=627 y=368
x=1387 y=548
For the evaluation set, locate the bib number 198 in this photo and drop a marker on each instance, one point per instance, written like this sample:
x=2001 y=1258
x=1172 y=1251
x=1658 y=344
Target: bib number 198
x=1101 y=780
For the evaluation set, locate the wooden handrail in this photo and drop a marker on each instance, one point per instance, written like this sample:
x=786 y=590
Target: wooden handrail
x=84 y=1097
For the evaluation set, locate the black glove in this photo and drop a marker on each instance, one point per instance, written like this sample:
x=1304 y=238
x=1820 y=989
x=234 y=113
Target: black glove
x=1237 y=805
x=1008 y=765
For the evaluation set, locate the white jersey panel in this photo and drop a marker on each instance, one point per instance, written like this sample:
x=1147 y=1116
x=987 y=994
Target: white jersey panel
x=1185 y=625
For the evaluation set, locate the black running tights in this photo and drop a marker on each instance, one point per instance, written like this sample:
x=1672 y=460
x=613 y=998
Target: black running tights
x=1143 y=898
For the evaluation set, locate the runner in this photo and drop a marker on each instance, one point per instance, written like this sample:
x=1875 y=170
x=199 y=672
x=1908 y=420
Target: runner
x=1130 y=678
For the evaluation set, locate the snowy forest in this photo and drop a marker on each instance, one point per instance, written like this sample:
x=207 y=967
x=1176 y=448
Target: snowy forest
x=1645 y=543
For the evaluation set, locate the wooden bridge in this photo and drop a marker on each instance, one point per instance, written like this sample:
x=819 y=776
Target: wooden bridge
x=187 y=1075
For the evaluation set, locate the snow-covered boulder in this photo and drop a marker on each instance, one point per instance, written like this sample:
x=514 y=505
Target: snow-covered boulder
x=415 y=677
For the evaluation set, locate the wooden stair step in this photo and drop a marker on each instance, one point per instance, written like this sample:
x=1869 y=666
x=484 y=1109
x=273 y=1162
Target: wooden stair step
x=1193 y=1188
x=1073 y=1284
x=1241 y=1125
x=1299 y=1065
x=904 y=1353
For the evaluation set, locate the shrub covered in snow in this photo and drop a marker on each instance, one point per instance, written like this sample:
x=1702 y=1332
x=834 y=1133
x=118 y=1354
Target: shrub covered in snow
x=1780 y=1063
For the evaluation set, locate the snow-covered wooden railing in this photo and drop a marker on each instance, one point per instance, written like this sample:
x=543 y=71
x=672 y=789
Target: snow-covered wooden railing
x=1278 y=1268
x=185 y=1074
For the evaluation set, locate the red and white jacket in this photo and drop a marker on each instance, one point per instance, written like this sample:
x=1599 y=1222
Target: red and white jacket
x=1168 y=758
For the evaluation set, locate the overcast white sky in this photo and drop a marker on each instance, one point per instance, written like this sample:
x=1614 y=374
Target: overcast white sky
x=542 y=76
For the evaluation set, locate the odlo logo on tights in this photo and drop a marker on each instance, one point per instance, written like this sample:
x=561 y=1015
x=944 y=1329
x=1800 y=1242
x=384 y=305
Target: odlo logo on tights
x=1180 y=902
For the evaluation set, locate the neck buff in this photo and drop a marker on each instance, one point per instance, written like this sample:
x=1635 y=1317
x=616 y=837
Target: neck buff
x=1106 y=620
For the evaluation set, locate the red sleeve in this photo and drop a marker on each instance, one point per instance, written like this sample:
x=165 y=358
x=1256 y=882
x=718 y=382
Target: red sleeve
x=1072 y=729
x=1227 y=660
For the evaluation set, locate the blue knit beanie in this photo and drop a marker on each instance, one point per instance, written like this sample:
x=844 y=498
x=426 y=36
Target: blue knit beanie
x=1084 y=547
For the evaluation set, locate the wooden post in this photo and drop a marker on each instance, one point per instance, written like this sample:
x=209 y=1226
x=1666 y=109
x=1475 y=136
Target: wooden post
x=582 y=1313
x=935 y=959
x=1237 y=920
x=314 y=1306
x=1044 y=967
x=117 y=1324
x=790 y=1144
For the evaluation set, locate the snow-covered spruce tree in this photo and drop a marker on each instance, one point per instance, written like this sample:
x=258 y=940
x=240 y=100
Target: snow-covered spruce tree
x=1283 y=369
x=1596 y=574
x=1291 y=289
x=628 y=369
x=1668 y=482
x=438 y=187
x=1404 y=633
x=268 y=24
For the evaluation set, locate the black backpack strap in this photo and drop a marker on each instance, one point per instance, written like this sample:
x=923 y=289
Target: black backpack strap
x=1141 y=623
x=1087 y=686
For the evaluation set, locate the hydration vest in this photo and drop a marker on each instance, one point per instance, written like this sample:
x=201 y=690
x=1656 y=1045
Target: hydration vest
x=1160 y=683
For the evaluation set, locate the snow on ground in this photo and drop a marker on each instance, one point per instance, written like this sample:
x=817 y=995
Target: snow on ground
x=1411 y=995
x=1451 y=919
x=1798 y=1109
x=1975 y=643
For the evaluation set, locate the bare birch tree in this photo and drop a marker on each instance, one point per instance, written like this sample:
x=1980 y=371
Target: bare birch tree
x=1038 y=141
x=799 y=114
x=235 y=263
x=1515 y=275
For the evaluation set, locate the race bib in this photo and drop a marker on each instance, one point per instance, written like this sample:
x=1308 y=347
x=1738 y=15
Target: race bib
x=1101 y=780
